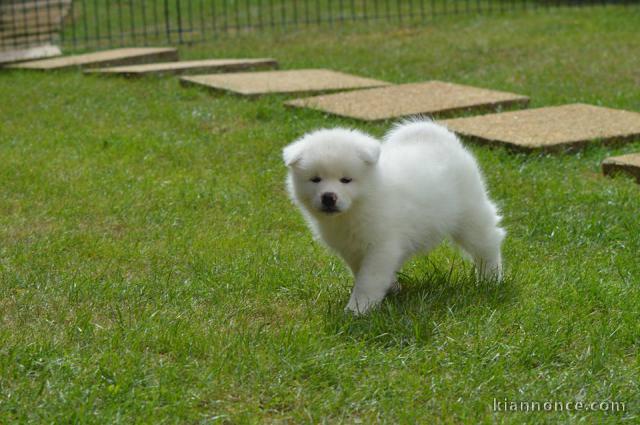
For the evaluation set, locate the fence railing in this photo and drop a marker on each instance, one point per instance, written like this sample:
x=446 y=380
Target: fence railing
x=107 y=23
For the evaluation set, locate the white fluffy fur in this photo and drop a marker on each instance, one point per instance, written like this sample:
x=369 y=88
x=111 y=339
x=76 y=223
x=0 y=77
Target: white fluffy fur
x=406 y=196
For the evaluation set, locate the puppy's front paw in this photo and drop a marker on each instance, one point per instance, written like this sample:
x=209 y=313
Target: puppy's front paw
x=361 y=304
x=355 y=309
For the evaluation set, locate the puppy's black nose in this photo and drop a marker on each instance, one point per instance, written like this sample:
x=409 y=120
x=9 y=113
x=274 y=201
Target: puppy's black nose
x=329 y=199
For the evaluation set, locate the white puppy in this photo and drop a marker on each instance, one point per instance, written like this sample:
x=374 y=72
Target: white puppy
x=377 y=204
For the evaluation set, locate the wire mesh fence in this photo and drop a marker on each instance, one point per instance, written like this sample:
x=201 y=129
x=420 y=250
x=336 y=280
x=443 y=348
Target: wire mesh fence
x=84 y=24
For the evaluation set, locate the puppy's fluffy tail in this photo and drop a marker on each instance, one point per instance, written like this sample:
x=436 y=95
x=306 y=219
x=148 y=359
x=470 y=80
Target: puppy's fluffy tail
x=419 y=129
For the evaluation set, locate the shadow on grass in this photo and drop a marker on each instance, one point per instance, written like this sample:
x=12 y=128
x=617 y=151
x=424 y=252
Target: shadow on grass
x=427 y=301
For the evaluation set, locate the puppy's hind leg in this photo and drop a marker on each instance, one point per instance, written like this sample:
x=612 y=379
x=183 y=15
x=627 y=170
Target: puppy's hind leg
x=481 y=237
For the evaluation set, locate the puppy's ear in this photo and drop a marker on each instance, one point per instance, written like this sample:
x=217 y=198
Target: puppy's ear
x=292 y=153
x=369 y=152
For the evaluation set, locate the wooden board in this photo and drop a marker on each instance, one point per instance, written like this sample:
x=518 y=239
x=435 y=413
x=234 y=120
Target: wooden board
x=113 y=57
x=428 y=98
x=293 y=81
x=186 y=67
x=550 y=128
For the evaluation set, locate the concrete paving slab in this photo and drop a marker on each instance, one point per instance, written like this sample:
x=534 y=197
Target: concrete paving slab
x=125 y=56
x=629 y=164
x=291 y=81
x=435 y=98
x=551 y=128
x=187 y=67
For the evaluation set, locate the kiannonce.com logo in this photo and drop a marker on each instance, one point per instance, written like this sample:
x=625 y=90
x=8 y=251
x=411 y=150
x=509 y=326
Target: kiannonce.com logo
x=506 y=405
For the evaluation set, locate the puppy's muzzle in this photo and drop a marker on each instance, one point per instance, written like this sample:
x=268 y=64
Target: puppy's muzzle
x=329 y=199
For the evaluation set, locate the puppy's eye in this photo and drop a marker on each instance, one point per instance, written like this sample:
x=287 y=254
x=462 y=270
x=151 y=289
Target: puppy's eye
x=316 y=179
x=345 y=180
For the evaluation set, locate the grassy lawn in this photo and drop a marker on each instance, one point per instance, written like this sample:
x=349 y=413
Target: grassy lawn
x=153 y=270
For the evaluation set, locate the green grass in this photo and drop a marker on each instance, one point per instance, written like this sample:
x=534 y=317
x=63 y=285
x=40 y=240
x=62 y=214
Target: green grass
x=152 y=269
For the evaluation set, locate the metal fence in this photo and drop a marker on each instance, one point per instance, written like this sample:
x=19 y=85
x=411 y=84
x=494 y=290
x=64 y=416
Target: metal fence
x=107 y=23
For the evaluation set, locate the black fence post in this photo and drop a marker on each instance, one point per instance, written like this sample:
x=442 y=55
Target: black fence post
x=179 y=15
x=167 y=23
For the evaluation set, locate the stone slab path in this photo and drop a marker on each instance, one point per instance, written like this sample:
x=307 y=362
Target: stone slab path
x=549 y=128
x=629 y=164
x=126 y=56
x=284 y=82
x=187 y=67
x=428 y=98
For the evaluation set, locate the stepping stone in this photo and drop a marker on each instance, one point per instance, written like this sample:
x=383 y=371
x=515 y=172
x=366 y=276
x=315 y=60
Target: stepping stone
x=556 y=127
x=629 y=164
x=186 y=67
x=293 y=81
x=127 y=56
x=428 y=98
x=29 y=53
